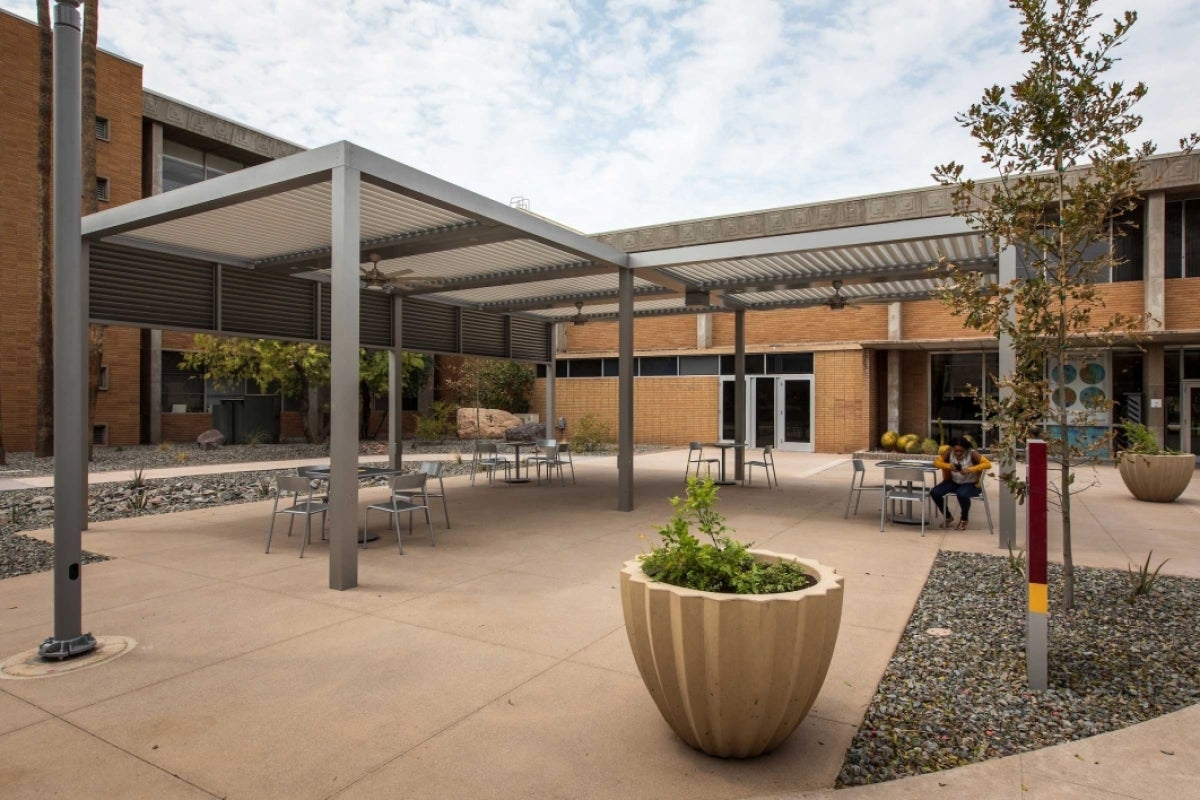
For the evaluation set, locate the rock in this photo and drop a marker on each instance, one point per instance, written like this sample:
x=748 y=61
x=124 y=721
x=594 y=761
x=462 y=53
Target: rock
x=527 y=432
x=210 y=439
x=492 y=423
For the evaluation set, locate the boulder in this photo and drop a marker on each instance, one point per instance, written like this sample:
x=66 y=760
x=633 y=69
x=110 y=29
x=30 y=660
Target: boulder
x=492 y=423
x=527 y=432
x=210 y=439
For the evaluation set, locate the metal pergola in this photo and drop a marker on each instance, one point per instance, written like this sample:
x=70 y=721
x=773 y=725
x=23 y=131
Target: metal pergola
x=275 y=251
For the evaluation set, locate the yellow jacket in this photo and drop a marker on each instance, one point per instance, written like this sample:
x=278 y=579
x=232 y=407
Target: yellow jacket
x=979 y=465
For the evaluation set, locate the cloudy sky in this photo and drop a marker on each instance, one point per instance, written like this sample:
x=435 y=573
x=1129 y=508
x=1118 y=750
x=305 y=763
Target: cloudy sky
x=628 y=112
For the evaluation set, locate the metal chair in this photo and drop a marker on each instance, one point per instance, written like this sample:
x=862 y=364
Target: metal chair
x=405 y=488
x=858 y=486
x=767 y=464
x=301 y=491
x=905 y=485
x=433 y=469
x=554 y=457
x=981 y=496
x=489 y=459
x=696 y=456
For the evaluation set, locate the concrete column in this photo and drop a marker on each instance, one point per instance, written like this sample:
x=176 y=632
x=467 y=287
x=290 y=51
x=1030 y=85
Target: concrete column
x=739 y=392
x=1154 y=379
x=625 y=392
x=894 y=395
x=560 y=337
x=1008 y=366
x=396 y=387
x=343 y=366
x=704 y=331
x=154 y=160
x=1154 y=266
x=155 y=394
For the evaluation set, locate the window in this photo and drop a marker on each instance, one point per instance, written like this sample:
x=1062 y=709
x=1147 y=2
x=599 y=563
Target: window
x=1183 y=239
x=1126 y=233
x=103 y=378
x=954 y=379
x=100 y=435
x=102 y=189
x=102 y=128
x=183 y=165
x=658 y=366
x=182 y=390
x=699 y=365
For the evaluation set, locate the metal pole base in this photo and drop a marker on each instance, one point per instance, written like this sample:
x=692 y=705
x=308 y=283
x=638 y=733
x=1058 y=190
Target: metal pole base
x=61 y=649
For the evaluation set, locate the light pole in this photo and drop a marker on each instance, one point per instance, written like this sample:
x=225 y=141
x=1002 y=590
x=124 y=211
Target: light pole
x=70 y=343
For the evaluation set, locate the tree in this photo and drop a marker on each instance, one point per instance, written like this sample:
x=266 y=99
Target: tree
x=492 y=383
x=1067 y=178
x=44 y=422
x=373 y=383
x=291 y=368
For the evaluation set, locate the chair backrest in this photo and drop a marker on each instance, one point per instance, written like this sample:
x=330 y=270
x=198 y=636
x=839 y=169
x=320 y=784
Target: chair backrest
x=306 y=471
x=297 y=485
x=431 y=468
x=695 y=446
x=550 y=450
x=767 y=453
x=486 y=448
x=905 y=474
x=409 y=483
x=544 y=444
x=858 y=465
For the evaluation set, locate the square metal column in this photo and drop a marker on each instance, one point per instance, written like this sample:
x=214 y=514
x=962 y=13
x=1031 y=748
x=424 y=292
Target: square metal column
x=1008 y=366
x=343 y=368
x=625 y=392
x=739 y=392
x=396 y=387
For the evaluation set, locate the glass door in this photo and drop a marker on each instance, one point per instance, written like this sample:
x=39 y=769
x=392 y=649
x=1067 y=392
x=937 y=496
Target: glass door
x=761 y=431
x=796 y=414
x=1191 y=418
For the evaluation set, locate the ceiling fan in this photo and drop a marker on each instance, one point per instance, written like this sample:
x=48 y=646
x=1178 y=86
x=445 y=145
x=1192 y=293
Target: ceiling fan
x=579 y=318
x=837 y=300
x=377 y=278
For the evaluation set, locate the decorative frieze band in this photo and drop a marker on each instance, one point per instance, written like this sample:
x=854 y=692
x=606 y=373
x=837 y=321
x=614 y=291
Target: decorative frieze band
x=180 y=115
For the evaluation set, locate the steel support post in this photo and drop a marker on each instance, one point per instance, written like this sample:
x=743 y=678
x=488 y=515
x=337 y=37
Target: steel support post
x=625 y=391
x=396 y=387
x=343 y=367
x=70 y=345
x=551 y=368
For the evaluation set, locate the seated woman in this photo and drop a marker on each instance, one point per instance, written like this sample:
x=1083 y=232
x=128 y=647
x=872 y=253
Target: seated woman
x=962 y=471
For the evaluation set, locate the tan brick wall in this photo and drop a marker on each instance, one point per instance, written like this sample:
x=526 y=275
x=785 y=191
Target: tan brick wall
x=1182 y=304
x=649 y=333
x=843 y=404
x=930 y=319
x=667 y=411
x=1126 y=297
x=803 y=326
x=119 y=98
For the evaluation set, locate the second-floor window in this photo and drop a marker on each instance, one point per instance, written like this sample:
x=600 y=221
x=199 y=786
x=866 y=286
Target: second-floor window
x=1183 y=238
x=183 y=165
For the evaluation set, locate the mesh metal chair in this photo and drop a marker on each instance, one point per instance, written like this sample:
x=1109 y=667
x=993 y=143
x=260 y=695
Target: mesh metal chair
x=488 y=458
x=300 y=490
x=696 y=456
x=980 y=496
x=768 y=466
x=405 y=491
x=858 y=486
x=554 y=457
x=434 y=469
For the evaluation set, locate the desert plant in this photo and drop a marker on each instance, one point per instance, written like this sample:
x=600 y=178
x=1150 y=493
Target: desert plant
x=439 y=423
x=1140 y=440
x=165 y=447
x=138 y=482
x=929 y=447
x=1016 y=561
x=722 y=565
x=263 y=486
x=1142 y=582
x=182 y=458
x=591 y=433
x=256 y=438
x=14 y=514
x=139 y=501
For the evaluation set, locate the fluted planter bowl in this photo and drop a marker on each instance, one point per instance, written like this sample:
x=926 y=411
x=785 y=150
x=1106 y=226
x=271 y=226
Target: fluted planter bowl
x=733 y=674
x=1158 y=478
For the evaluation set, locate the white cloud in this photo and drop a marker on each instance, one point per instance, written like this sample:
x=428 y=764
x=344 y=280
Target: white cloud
x=627 y=112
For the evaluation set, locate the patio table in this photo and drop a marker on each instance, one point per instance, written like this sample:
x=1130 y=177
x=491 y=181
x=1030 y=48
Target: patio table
x=908 y=517
x=725 y=448
x=516 y=446
x=364 y=473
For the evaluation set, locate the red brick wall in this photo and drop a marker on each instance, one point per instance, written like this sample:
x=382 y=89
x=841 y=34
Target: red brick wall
x=119 y=98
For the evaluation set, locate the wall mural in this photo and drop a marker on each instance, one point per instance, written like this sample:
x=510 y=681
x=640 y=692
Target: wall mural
x=1081 y=386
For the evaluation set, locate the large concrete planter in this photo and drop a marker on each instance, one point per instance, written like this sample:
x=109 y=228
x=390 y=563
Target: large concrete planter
x=1156 y=479
x=732 y=674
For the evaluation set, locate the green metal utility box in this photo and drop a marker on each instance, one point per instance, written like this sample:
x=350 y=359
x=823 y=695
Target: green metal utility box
x=254 y=417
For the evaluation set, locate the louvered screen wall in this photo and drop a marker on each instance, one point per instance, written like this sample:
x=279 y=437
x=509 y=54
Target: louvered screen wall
x=154 y=290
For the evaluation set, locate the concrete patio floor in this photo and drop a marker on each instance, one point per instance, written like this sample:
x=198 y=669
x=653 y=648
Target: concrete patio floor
x=495 y=664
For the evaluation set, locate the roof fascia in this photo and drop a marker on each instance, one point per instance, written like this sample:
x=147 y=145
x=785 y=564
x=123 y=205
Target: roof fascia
x=272 y=177
x=858 y=236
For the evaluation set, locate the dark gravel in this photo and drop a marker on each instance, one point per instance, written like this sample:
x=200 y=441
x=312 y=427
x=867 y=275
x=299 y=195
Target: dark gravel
x=947 y=701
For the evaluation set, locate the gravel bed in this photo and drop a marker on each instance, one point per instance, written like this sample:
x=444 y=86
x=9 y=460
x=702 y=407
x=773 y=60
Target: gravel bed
x=961 y=698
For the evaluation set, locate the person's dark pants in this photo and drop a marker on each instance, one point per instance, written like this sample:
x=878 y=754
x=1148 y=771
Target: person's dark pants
x=965 y=492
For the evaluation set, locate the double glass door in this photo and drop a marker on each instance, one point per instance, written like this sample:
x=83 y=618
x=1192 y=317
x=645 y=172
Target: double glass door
x=1190 y=418
x=779 y=411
